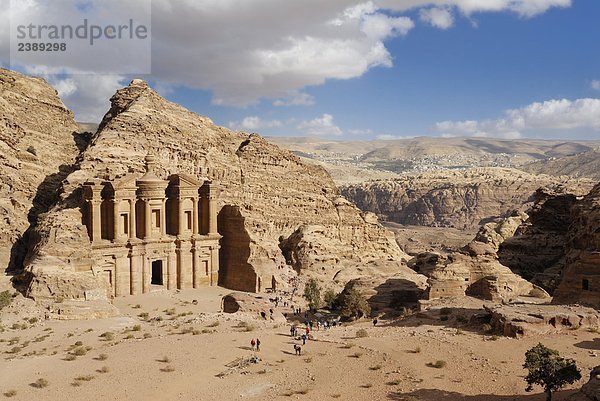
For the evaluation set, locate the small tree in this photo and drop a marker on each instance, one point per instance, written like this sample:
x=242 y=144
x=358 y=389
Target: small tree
x=312 y=293
x=547 y=369
x=331 y=299
x=353 y=304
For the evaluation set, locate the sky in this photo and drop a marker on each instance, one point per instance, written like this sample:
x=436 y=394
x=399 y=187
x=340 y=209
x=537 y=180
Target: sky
x=343 y=69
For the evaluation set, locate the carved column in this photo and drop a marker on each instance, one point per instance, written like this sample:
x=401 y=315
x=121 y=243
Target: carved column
x=180 y=217
x=171 y=271
x=116 y=224
x=196 y=267
x=145 y=275
x=212 y=211
x=96 y=220
x=214 y=265
x=135 y=273
x=163 y=220
x=148 y=219
x=195 y=216
x=132 y=219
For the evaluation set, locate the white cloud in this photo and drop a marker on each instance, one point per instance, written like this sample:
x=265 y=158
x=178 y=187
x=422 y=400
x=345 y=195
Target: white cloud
x=437 y=16
x=87 y=95
x=388 y=137
x=321 y=126
x=523 y=8
x=595 y=85
x=254 y=123
x=295 y=98
x=557 y=114
x=360 y=132
x=244 y=51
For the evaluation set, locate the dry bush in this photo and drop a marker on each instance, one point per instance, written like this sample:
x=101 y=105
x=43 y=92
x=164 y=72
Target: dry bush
x=214 y=324
x=10 y=393
x=376 y=367
x=168 y=368
x=362 y=333
x=102 y=357
x=40 y=383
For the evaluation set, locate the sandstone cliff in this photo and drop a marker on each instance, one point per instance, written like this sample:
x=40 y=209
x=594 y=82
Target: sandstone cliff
x=38 y=144
x=461 y=199
x=266 y=194
x=580 y=283
x=536 y=250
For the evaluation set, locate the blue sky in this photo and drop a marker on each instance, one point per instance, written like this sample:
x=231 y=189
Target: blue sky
x=373 y=69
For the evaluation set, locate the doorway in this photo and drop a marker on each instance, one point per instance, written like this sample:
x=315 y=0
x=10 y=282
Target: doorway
x=157 y=272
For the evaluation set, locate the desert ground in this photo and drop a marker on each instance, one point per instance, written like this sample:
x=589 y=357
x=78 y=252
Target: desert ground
x=179 y=345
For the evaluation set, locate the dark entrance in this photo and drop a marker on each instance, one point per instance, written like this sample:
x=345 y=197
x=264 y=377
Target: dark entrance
x=157 y=272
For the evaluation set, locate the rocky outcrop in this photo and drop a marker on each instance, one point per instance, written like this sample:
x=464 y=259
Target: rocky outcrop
x=536 y=251
x=474 y=271
x=38 y=145
x=390 y=292
x=257 y=307
x=461 y=199
x=580 y=280
x=531 y=320
x=265 y=193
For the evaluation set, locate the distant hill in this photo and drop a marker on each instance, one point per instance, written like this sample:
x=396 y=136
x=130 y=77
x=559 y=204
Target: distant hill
x=586 y=164
x=349 y=160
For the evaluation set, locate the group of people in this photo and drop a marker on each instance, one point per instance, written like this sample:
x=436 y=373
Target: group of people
x=255 y=344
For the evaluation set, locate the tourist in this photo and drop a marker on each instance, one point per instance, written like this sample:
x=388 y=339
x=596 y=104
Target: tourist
x=297 y=349
x=257 y=344
x=304 y=337
x=253 y=344
x=374 y=322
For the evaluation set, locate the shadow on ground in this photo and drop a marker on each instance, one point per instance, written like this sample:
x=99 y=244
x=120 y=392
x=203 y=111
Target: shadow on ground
x=440 y=395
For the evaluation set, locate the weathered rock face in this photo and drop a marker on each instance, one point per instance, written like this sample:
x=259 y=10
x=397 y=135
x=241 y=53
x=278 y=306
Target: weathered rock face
x=474 y=271
x=461 y=199
x=257 y=307
x=536 y=251
x=580 y=282
x=402 y=287
x=265 y=193
x=37 y=147
x=530 y=320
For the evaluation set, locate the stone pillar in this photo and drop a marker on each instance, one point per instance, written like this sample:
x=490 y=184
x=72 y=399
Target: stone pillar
x=145 y=275
x=148 y=219
x=212 y=211
x=136 y=273
x=196 y=267
x=116 y=223
x=122 y=276
x=132 y=219
x=171 y=271
x=195 y=217
x=181 y=225
x=214 y=265
x=96 y=221
x=163 y=219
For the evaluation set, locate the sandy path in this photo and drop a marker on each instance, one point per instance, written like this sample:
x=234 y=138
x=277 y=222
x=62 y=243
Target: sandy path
x=338 y=365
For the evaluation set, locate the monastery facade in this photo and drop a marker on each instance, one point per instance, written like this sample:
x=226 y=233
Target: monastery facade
x=148 y=233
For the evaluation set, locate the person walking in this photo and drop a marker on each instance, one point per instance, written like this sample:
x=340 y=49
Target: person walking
x=257 y=344
x=253 y=344
x=374 y=322
x=304 y=339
